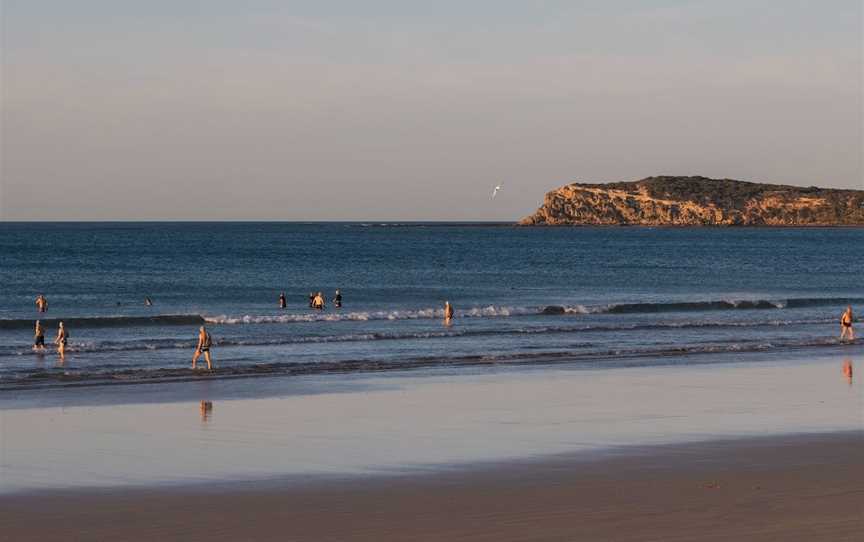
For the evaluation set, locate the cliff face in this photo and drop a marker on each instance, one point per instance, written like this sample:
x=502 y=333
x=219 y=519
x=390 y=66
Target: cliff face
x=698 y=201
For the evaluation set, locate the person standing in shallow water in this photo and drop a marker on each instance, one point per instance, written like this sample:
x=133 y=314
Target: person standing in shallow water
x=61 y=341
x=39 y=337
x=337 y=300
x=846 y=320
x=282 y=301
x=203 y=347
x=448 y=312
x=41 y=303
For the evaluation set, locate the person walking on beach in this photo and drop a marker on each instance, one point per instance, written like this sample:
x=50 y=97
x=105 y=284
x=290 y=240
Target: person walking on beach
x=337 y=300
x=203 y=347
x=39 y=337
x=448 y=312
x=282 y=301
x=61 y=341
x=846 y=324
x=41 y=303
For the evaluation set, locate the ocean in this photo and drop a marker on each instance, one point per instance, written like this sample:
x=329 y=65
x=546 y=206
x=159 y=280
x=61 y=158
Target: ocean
x=602 y=297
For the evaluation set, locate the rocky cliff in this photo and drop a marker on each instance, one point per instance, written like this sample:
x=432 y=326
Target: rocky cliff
x=698 y=201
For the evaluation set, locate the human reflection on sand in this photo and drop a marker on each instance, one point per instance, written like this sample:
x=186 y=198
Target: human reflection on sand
x=848 y=369
x=412 y=421
x=206 y=409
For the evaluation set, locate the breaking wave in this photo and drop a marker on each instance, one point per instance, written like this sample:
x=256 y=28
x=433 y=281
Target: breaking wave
x=494 y=311
x=170 y=344
x=490 y=311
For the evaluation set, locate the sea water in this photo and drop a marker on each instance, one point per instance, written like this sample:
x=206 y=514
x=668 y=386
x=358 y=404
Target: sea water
x=603 y=297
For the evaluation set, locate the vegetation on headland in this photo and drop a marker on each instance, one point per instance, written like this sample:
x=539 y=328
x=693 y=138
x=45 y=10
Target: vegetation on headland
x=698 y=201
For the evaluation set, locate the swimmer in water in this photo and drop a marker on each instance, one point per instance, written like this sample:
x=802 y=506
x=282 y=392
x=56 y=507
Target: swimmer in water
x=318 y=302
x=846 y=324
x=41 y=303
x=39 y=337
x=61 y=341
x=448 y=312
x=203 y=347
x=337 y=300
x=282 y=301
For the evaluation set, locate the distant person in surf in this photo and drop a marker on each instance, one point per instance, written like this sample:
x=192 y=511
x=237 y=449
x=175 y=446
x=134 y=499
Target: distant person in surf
x=41 y=303
x=847 y=370
x=846 y=320
x=148 y=302
x=39 y=337
x=318 y=302
x=282 y=301
x=448 y=312
x=337 y=300
x=205 y=341
x=61 y=341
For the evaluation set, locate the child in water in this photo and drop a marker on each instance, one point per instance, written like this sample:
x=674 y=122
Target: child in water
x=846 y=324
x=61 y=341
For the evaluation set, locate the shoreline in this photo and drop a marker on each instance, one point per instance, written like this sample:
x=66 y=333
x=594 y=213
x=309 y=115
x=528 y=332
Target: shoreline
x=791 y=487
x=47 y=381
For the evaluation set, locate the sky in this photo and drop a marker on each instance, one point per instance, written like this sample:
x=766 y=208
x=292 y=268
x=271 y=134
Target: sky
x=403 y=110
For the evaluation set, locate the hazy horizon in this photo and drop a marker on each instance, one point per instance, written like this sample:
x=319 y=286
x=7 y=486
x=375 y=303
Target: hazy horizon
x=333 y=111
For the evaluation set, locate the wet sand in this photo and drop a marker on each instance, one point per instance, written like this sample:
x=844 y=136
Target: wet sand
x=805 y=487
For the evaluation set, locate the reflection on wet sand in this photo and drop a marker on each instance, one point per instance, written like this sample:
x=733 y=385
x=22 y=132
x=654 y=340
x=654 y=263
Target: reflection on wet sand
x=848 y=370
x=385 y=424
x=206 y=409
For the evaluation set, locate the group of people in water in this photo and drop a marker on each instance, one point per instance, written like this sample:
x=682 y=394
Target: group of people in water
x=317 y=302
x=60 y=341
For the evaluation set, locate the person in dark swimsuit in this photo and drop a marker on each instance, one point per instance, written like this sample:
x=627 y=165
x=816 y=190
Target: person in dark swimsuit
x=61 y=341
x=203 y=347
x=846 y=324
x=39 y=337
x=337 y=300
x=282 y=301
x=311 y=300
x=148 y=302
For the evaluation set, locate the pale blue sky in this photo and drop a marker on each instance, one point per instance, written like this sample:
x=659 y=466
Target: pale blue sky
x=398 y=110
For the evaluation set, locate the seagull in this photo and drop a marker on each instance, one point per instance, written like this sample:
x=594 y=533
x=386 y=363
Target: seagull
x=496 y=189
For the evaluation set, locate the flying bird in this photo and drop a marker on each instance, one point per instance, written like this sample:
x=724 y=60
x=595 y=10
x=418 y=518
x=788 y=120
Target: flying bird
x=496 y=189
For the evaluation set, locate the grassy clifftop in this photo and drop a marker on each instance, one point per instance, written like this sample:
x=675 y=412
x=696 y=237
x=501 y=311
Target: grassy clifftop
x=698 y=201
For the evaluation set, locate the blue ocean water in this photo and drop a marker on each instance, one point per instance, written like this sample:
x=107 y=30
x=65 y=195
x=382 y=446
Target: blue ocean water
x=600 y=296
